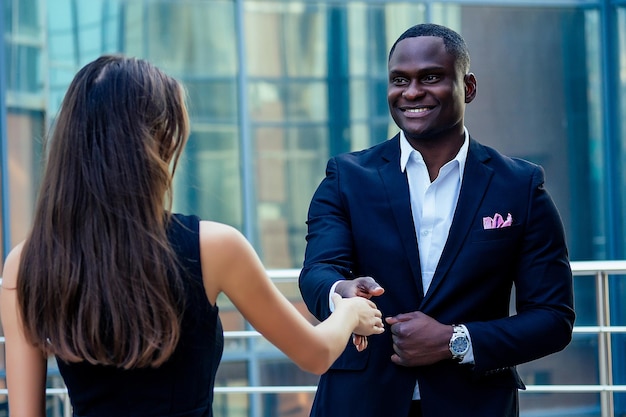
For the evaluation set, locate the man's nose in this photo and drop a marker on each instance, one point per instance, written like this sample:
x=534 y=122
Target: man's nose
x=412 y=90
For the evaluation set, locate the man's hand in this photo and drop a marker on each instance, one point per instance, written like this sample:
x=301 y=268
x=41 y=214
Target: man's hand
x=419 y=339
x=359 y=287
x=365 y=287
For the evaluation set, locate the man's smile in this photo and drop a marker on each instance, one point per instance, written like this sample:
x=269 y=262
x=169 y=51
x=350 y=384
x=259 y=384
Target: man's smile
x=409 y=111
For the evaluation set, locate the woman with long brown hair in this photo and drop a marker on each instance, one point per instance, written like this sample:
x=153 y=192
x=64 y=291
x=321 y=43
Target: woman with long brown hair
x=122 y=291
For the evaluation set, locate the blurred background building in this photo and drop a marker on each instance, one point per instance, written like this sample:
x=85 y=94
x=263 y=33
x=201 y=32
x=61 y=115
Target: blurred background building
x=277 y=87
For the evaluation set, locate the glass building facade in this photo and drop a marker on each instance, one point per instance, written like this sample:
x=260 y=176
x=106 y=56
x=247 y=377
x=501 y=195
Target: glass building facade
x=277 y=87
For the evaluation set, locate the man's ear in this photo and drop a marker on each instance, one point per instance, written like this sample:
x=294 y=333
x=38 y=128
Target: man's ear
x=469 y=80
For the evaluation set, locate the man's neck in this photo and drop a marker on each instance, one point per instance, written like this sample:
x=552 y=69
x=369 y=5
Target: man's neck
x=438 y=152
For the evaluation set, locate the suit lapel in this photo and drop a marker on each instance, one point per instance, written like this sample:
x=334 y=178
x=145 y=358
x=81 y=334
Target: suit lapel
x=397 y=189
x=476 y=178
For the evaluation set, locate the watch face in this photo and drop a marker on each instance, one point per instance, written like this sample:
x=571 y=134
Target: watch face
x=459 y=345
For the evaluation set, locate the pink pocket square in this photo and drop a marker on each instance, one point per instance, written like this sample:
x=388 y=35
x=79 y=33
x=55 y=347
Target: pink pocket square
x=497 y=221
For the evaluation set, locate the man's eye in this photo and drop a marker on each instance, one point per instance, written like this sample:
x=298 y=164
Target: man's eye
x=431 y=78
x=399 y=81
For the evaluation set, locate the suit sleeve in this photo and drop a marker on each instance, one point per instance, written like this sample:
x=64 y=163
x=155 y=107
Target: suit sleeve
x=543 y=293
x=329 y=244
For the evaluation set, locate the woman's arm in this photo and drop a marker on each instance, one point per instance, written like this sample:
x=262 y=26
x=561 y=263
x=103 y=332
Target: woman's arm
x=230 y=265
x=26 y=365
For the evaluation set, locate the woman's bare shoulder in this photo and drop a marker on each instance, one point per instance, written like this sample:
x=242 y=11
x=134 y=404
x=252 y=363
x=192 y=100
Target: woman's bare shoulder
x=223 y=242
x=219 y=234
x=11 y=266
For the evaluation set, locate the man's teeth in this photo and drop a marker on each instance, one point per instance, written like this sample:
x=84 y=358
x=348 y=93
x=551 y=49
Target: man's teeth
x=420 y=110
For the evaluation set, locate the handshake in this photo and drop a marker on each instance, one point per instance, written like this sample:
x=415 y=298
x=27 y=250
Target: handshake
x=370 y=318
x=417 y=338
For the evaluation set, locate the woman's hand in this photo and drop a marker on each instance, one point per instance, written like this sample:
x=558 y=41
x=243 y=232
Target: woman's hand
x=369 y=317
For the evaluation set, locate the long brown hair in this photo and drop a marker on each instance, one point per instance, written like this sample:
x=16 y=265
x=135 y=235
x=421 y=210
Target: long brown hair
x=97 y=279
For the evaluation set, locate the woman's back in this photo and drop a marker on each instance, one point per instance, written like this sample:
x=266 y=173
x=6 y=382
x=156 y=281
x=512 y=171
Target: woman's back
x=183 y=385
x=123 y=295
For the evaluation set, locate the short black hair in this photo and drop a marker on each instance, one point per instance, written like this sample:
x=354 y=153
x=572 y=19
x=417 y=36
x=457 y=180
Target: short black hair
x=453 y=42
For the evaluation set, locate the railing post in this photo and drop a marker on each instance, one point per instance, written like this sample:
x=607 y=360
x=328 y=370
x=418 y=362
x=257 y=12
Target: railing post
x=67 y=406
x=604 y=343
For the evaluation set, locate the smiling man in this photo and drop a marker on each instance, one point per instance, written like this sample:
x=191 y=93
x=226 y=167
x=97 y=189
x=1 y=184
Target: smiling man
x=437 y=228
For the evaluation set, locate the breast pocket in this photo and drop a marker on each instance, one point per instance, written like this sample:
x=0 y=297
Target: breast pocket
x=493 y=235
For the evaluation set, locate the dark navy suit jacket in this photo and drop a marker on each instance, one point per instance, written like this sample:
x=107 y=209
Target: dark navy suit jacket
x=360 y=224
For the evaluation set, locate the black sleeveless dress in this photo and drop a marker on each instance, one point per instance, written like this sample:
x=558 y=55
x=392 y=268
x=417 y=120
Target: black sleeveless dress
x=181 y=387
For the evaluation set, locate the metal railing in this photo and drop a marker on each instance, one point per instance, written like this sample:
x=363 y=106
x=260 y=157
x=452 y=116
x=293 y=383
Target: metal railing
x=601 y=270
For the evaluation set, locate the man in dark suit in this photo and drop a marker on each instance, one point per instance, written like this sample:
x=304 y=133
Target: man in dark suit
x=438 y=228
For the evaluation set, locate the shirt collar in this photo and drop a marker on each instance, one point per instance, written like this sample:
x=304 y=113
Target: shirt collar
x=406 y=150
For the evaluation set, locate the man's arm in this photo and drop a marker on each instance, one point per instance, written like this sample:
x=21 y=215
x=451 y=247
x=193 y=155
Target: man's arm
x=328 y=251
x=543 y=293
x=328 y=258
x=544 y=299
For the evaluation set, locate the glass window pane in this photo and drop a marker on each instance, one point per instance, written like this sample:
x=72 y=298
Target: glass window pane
x=22 y=17
x=536 y=73
x=211 y=100
x=24 y=154
x=290 y=161
x=583 y=351
x=190 y=37
x=286 y=39
x=580 y=404
x=585 y=300
x=275 y=372
x=552 y=370
x=233 y=373
x=23 y=69
x=207 y=181
x=621 y=97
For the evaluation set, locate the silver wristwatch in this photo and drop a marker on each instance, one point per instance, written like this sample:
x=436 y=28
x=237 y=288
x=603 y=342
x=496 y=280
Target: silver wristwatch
x=459 y=343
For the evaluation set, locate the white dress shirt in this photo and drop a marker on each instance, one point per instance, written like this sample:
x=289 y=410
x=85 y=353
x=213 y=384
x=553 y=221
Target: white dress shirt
x=433 y=205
